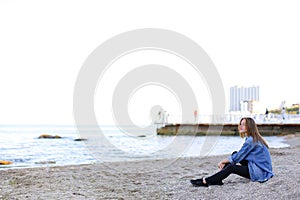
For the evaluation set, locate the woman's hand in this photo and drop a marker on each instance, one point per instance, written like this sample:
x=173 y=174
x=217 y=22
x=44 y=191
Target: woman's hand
x=223 y=163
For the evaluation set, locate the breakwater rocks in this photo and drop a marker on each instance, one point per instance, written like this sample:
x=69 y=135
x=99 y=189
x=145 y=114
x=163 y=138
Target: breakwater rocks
x=47 y=136
x=225 y=129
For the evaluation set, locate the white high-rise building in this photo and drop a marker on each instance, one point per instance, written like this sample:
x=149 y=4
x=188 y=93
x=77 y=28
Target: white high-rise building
x=241 y=96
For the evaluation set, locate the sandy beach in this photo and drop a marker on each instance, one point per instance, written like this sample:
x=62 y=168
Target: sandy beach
x=162 y=179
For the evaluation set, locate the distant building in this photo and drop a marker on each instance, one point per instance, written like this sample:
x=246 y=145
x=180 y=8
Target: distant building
x=244 y=99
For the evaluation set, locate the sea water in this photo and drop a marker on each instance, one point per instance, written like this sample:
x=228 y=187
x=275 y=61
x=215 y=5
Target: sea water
x=21 y=145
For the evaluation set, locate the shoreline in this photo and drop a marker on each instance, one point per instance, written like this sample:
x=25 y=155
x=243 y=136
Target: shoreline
x=276 y=142
x=161 y=179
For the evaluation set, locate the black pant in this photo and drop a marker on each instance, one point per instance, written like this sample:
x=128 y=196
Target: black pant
x=228 y=169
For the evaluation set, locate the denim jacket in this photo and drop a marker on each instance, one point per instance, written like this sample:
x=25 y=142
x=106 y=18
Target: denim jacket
x=258 y=157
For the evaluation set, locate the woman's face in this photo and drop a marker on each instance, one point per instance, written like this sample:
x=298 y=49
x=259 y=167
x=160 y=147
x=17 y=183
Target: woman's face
x=243 y=127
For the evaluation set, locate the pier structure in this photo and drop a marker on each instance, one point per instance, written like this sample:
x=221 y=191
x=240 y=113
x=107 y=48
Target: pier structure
x=226 y=129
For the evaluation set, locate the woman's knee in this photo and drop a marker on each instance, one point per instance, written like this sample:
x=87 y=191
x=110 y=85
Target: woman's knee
x=230 y=167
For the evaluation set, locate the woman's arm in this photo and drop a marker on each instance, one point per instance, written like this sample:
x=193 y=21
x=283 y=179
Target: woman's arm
x=247 y=147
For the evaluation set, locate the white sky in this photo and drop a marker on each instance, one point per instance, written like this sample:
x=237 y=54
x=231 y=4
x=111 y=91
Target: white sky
x=43 y=45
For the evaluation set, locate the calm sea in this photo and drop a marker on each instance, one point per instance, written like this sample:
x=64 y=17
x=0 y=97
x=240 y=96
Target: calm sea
x=21 y=145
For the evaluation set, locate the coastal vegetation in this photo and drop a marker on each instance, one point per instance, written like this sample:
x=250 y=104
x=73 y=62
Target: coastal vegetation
x=294 y=109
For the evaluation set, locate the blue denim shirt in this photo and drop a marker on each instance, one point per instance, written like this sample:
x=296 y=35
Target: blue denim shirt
x=258 y=157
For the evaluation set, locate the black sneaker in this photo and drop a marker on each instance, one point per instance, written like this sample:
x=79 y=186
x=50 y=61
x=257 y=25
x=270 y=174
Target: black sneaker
x=198 y=183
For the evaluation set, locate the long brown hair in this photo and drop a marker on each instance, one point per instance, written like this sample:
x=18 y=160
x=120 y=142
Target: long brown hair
x=252 y=130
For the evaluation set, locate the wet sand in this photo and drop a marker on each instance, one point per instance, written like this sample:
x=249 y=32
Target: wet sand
x=153 y=179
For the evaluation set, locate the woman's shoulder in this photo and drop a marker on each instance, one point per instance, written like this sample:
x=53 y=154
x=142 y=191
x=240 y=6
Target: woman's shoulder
x=249 y=139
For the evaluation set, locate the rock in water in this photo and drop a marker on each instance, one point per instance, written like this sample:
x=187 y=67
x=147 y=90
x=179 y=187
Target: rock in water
x=49 y=136
x=4 y=162
x=80 y=139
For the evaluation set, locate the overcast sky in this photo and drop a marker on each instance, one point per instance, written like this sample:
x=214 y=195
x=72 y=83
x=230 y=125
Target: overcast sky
x=43 y=45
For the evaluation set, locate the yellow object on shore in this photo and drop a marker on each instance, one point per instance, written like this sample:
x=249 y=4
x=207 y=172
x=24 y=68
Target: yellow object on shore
x=4 y=162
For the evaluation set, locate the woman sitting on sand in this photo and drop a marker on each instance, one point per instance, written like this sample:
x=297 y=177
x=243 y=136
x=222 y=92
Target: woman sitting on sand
x=252 y=161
